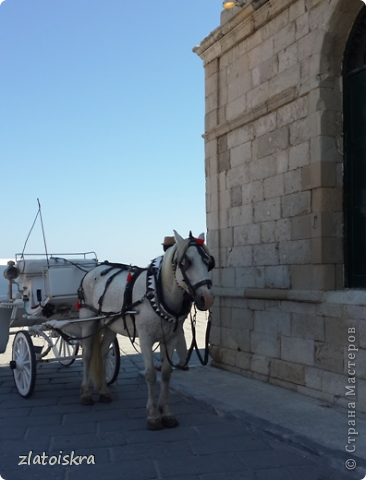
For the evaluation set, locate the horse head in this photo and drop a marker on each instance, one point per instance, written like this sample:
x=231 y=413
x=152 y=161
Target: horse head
x=192 y=263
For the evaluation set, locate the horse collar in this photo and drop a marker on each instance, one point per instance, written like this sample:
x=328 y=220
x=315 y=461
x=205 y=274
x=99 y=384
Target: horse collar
x=154 y=295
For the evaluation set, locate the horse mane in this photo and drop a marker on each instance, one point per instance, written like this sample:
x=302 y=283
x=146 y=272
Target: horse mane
x=175 y=252
x=181 y=249
x=168 y=258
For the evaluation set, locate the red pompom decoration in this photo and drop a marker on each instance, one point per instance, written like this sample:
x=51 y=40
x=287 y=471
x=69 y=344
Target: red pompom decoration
x=200 y=241
x=78 y=306
x=129 y=276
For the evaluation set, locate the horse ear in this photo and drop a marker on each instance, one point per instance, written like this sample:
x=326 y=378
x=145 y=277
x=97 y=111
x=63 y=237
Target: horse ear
x=202 y=236
x=178 y=238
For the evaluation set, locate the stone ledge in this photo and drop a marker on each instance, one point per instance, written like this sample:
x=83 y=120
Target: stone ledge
x=231 y=25
x=308 y=296
x=276 y=101
x=237 y=16
x=345 y=297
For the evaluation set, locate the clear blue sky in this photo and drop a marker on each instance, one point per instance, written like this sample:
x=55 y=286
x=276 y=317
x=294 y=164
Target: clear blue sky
x=101 y=117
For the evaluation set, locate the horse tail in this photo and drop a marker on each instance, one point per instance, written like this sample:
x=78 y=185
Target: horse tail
x=96 y=361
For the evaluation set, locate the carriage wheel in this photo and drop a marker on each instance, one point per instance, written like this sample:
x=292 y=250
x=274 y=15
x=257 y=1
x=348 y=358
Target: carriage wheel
x=23 y=364
x=62 y=348
x=113 y=362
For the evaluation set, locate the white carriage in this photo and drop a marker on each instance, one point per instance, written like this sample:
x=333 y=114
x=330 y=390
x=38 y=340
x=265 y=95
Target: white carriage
x=36 y=291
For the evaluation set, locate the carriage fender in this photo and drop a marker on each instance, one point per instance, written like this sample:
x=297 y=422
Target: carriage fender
x=5 y=315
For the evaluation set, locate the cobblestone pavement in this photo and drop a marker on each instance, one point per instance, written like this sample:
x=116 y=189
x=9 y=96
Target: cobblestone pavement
x=114 y=440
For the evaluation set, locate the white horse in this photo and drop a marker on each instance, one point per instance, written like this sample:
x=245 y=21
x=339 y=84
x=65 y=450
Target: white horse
x=151 y=303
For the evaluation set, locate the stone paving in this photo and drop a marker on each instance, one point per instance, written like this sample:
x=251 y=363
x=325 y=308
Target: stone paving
x=114 y=440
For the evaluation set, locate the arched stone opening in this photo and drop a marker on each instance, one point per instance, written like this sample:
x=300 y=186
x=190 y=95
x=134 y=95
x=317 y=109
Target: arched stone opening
x=354 y=104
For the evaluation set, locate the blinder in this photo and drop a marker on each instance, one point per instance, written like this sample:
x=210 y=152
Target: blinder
x=207 y=259
x=211 y=263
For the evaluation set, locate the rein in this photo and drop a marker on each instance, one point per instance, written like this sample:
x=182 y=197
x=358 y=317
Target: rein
x=193 y=346
x=68 y=338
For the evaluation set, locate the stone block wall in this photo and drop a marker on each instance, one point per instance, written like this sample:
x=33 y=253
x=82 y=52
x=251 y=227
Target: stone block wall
x=274 y=149
x=315 y=345
x=274 y=195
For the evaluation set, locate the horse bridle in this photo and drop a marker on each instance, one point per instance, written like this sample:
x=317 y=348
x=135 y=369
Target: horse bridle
x=184 y=265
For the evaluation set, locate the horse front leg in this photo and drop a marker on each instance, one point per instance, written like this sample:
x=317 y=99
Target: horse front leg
x=167 y=418
x=153 y=415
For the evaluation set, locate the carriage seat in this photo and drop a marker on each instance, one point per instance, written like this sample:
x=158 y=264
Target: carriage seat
x=39 y=265
x=32 y=267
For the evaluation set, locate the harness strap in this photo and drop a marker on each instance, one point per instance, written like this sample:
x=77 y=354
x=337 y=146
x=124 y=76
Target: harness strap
x=99 y=312
x=207 y=282
x=107 y=283
x=127 y=304
x=127 y=298
x=122 y=266
x=67 y=337
x=127 y=295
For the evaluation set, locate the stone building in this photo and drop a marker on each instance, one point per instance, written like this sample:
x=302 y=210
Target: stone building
x=285 y=143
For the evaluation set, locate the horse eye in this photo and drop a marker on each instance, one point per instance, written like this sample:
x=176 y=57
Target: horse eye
x=185 y=263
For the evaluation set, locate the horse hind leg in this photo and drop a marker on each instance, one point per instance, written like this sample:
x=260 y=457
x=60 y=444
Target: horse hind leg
x=87 y=330
x=86 y=397
x=104 y=393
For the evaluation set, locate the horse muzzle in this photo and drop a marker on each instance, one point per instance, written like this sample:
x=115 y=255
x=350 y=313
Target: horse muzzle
x=203 y=297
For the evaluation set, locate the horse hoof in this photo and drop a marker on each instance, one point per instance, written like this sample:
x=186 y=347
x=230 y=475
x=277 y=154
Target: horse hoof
x=170 y=422
x=155 y=424
x=86 y=401
x=103 y=398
